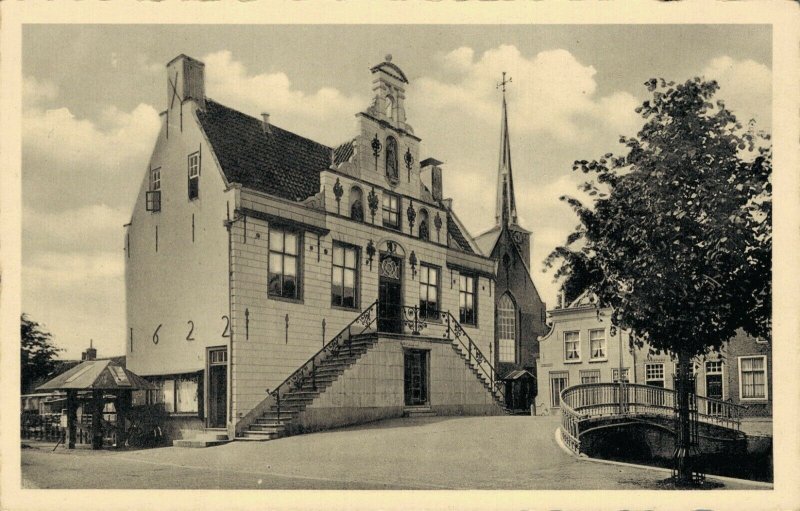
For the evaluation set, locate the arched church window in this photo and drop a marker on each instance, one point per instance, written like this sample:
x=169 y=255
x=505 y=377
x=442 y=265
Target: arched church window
x=356 y=204
x=424 y=229
x=506 y=329
x=391 y=159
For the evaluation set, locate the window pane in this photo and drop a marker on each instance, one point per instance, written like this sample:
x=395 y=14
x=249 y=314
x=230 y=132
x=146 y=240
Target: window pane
x=349 y=278
x=276 y=240
x=275 y=263
x=350 y=258
x=433 y=277
x=289 y=287
x=338 y=255
x=291 y=243
x=290 y=266
x=274 y=285
x=336 y=277
x=168 y=395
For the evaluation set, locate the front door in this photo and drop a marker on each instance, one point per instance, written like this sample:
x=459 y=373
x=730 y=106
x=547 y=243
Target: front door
x=416 y=377
x=390 y=296
x=217 y=387
x=714 y=391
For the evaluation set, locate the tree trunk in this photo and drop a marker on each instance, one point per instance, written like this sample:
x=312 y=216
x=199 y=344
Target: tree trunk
x=683 y=455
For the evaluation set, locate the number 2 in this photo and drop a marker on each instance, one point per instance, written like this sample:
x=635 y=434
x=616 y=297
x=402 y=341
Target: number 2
x=227 y=331
x=191 y=329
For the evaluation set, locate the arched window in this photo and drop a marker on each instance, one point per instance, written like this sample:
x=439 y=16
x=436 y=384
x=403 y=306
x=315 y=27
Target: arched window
x=506 y=329
x=389 y=107
x=391 y=159
x=424 y=229
x=356 y=204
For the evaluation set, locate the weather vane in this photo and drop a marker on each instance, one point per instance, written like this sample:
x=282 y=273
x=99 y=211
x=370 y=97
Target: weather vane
x=502 y=85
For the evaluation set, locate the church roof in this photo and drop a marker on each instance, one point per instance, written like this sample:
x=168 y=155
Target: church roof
x=278 y=162
x=487 y=241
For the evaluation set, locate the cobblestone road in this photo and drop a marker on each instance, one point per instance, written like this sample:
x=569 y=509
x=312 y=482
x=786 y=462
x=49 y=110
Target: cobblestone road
x=425 y=453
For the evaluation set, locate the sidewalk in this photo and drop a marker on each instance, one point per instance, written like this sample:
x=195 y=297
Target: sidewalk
x=508 y=452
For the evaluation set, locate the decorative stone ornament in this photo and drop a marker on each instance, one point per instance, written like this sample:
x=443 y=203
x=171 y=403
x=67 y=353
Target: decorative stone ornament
x=437 y=223
x=376 y=150
x=412 y=260
x=370 y=253
x=372 y=202
x=409 y=161
x=338 y=191
x=412 y=215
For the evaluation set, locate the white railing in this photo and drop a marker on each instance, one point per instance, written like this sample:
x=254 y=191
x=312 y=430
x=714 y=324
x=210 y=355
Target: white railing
x=593 y=400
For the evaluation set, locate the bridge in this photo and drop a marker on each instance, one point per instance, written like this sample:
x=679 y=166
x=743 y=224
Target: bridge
x=632 y=418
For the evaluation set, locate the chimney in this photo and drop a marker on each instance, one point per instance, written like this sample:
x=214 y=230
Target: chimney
x=90 y=353
x=436 y=176
x=265 y=123
x=185 y=80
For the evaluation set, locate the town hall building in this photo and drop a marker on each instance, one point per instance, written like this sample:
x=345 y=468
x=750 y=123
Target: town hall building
x=277 y=285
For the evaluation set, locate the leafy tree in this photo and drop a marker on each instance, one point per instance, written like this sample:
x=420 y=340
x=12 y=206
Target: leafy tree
x=38 y=352
x=679 y=238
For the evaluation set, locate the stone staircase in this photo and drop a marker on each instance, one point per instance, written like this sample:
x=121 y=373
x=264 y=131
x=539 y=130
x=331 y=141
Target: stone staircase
x=274 y=423
x=487 y=384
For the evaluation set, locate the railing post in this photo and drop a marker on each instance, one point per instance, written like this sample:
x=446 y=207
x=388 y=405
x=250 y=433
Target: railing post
x=448 y=326
x=278 y=397
x=470 y=351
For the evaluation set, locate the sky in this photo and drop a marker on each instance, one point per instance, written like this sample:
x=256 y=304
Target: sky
x=92 y=94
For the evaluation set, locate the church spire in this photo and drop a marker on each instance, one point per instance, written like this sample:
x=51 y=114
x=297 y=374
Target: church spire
x=506 y=210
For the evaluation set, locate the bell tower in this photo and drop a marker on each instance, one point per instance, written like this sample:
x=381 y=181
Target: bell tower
x=388 y=88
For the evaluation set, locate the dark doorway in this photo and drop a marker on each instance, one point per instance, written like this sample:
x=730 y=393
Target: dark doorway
x=416 y=377
x=390 y=296
x=217 y=387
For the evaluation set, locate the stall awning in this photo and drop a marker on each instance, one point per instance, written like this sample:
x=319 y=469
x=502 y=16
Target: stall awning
x=97 y=374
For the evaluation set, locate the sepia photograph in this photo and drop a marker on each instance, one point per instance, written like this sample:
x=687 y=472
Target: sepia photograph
x=398 y=256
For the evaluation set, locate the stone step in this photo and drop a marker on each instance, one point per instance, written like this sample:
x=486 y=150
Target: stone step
x=418 y=411
x=259 y=435
x=267 y=428
x=203 y=439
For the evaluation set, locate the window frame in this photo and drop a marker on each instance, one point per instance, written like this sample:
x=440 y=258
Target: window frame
x=648 y=379
x=474 y=293
x=560 y=375
x=298 y=262
x=604 y=338
x=155 y=184
x=356 y=273
x=423 y=311
x=512 y=340
x=626 y=373
x=584 y=373
x=579 y=358
x=385 y=211
x=195 y=156
x=741 y=380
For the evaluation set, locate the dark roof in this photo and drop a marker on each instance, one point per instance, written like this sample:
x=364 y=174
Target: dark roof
x=343 y=153
x=278 y=163
x=97 y=374
x=455 y=233
x=517 y=374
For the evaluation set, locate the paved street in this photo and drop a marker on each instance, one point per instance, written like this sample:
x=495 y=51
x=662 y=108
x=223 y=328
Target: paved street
x=425 y=453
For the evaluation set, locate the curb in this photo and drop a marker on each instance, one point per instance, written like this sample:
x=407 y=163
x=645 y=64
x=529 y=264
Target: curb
x=583 y=457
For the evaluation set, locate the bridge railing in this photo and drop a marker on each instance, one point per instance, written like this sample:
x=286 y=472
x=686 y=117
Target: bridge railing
x=592 y=400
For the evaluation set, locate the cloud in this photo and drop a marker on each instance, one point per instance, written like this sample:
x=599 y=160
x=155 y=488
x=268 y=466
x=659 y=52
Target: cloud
x=93 y=228
x=554 y=89
x=36 y=92
x=745 y=86
x=70 y=162
x=318 y=115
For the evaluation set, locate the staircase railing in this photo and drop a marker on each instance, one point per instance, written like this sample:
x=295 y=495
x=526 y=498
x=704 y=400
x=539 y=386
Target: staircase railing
x=592 y=400
x=417 y=319
x=342 y=340
x=307 y=370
